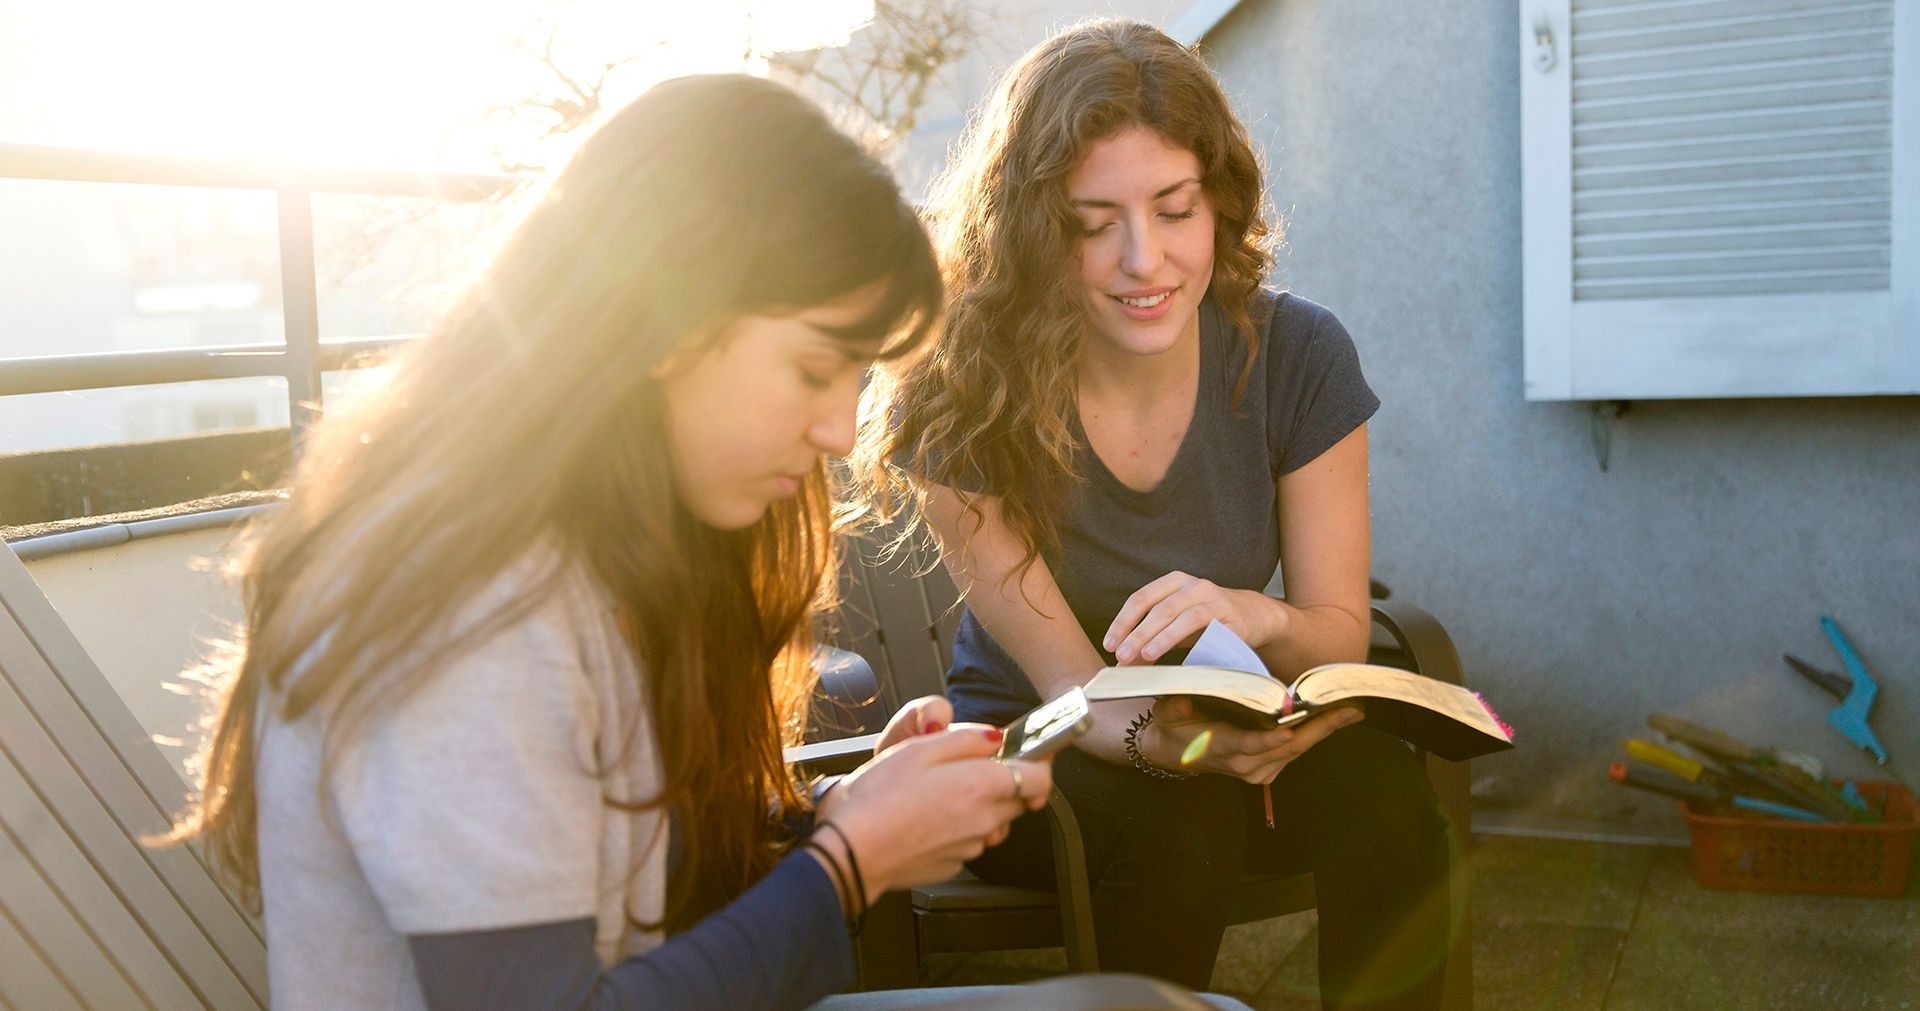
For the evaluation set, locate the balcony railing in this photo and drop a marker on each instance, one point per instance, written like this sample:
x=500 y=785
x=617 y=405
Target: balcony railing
x=304 y=356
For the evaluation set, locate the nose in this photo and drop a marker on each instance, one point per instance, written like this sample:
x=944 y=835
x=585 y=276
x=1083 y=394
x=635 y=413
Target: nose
x=1143 y=255
x=833 y=429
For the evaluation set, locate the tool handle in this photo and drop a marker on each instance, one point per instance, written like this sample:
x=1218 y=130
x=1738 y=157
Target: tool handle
x=1777 y=810
x=1661 y=758
x=1713 y=742
x=1656 y=781
x=1795 y=787
x=1855 y=666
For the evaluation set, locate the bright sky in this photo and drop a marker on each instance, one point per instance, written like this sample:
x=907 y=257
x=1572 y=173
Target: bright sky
x=369 y=83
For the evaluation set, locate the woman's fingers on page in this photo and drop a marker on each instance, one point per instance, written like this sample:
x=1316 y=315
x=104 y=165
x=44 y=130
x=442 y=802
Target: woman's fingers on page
x=1137 y=606
x=1181 y=629
x=1177 y=619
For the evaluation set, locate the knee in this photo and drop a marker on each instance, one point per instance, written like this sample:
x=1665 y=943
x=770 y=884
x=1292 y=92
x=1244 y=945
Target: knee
x=1407 y=819
x=1387 y=799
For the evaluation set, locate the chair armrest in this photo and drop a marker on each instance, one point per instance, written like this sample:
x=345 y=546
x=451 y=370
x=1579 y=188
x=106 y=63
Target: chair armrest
x=829 y=758
x=1419 y=635
x=1070 y=881
x=1429 y=651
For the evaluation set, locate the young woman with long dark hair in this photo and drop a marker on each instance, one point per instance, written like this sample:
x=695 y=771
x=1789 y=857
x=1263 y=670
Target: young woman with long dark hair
x=504 y=723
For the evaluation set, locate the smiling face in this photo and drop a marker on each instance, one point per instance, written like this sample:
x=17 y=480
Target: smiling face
x=1146 y=252
x=749 y=416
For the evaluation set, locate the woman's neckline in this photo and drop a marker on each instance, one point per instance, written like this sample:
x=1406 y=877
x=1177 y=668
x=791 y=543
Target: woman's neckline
x=1203 y=393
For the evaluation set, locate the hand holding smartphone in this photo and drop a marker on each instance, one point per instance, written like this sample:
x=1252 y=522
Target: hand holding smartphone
x=1048 y=729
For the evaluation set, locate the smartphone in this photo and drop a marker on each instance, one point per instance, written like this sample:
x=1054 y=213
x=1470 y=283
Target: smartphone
x=1048 y=729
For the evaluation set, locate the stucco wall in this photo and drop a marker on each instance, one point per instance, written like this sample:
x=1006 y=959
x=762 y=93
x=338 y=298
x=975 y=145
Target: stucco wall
x=1580 y=599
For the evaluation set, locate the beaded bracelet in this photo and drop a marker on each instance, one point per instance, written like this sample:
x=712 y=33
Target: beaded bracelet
x=1139 y=760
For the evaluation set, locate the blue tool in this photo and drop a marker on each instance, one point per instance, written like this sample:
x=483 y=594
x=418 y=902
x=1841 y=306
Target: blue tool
x=1850 y=716
x=1662 y=781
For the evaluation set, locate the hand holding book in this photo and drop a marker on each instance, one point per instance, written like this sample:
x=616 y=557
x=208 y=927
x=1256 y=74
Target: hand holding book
x=1251 y=754
x=1445 y=719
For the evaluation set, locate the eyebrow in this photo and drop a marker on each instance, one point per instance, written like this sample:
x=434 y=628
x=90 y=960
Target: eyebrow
x=1108 y=203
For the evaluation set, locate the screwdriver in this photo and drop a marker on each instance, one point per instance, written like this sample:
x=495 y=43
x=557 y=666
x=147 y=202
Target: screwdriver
x=1659 y=781
x=1758 y=767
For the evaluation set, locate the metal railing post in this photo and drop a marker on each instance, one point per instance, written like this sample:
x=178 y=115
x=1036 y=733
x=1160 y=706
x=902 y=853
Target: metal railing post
x=300 y=302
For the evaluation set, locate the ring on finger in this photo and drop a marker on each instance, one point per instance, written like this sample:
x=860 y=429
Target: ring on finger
x=1018 y=792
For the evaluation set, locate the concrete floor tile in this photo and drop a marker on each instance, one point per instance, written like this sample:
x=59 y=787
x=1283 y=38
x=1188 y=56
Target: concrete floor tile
x=1251 y=952
x=1294 y=985
x=1525 y=966
x=1573 y=925
x=1518 y=880
x=1771 y=969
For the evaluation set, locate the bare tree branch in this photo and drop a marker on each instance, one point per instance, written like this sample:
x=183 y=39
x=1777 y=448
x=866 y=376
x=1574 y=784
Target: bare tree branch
x=887 y=70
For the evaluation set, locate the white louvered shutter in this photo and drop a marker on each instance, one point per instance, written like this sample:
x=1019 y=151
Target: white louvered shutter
x=1721 y=198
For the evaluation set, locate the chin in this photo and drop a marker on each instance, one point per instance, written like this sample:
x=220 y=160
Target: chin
x=1146 y=341
x=737 y=515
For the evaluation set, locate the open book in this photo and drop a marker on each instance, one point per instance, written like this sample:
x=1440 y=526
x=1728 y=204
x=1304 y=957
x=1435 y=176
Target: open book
x=1232 y=683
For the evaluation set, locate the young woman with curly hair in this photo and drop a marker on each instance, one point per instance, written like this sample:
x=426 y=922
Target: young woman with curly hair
x=1117 y=438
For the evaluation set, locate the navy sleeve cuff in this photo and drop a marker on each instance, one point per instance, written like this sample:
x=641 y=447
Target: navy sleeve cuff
x=781 y=944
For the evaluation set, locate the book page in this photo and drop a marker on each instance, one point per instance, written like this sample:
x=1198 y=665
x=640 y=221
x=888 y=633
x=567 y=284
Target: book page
x=1336 y=682
x=1220 y=647
x=1254 y=691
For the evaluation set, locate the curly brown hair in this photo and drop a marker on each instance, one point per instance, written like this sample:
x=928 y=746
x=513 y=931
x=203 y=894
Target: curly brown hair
x=988 y=406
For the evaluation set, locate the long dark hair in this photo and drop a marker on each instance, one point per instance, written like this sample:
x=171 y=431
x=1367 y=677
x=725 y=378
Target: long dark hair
x=529 y=418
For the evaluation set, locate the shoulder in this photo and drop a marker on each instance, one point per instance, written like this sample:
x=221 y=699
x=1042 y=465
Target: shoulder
x=1301 y=339
x=1290 y=322
x=538 y=637
x=1316 y=392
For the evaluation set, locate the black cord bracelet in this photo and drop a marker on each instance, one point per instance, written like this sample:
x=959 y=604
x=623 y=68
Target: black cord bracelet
x=840 y=882
x=859 y=882
x=1139 y=760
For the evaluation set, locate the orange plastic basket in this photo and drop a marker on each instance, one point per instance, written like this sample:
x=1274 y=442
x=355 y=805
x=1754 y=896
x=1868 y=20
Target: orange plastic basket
x=1774 y=855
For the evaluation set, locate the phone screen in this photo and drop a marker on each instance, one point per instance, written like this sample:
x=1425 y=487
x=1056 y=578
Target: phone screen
x=1049 y=728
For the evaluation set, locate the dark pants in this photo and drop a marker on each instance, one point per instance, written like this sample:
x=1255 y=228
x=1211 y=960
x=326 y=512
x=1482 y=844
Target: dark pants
x=1164 y=857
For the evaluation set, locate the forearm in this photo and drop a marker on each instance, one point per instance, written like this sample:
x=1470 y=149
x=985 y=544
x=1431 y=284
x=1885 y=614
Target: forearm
x=1305 y=637
x=1056 y=655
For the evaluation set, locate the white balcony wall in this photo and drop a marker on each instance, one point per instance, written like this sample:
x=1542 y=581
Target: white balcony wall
x=145 y=611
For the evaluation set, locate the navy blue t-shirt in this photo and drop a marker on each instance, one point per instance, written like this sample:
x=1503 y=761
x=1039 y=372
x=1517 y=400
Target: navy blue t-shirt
x=1213 y=515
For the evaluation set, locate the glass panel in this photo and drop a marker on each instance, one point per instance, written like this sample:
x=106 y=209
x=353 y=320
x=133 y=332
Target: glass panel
x=388 y=265
x=49 y=421
x=94 y=267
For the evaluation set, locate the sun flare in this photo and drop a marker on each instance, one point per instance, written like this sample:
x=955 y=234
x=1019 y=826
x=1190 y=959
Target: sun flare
x=355 y=82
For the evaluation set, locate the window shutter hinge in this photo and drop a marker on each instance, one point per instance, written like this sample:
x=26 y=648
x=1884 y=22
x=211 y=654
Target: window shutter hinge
x=1544 y=58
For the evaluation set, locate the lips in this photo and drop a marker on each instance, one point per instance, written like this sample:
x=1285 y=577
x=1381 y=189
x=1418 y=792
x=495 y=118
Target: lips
x=1146 y=304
